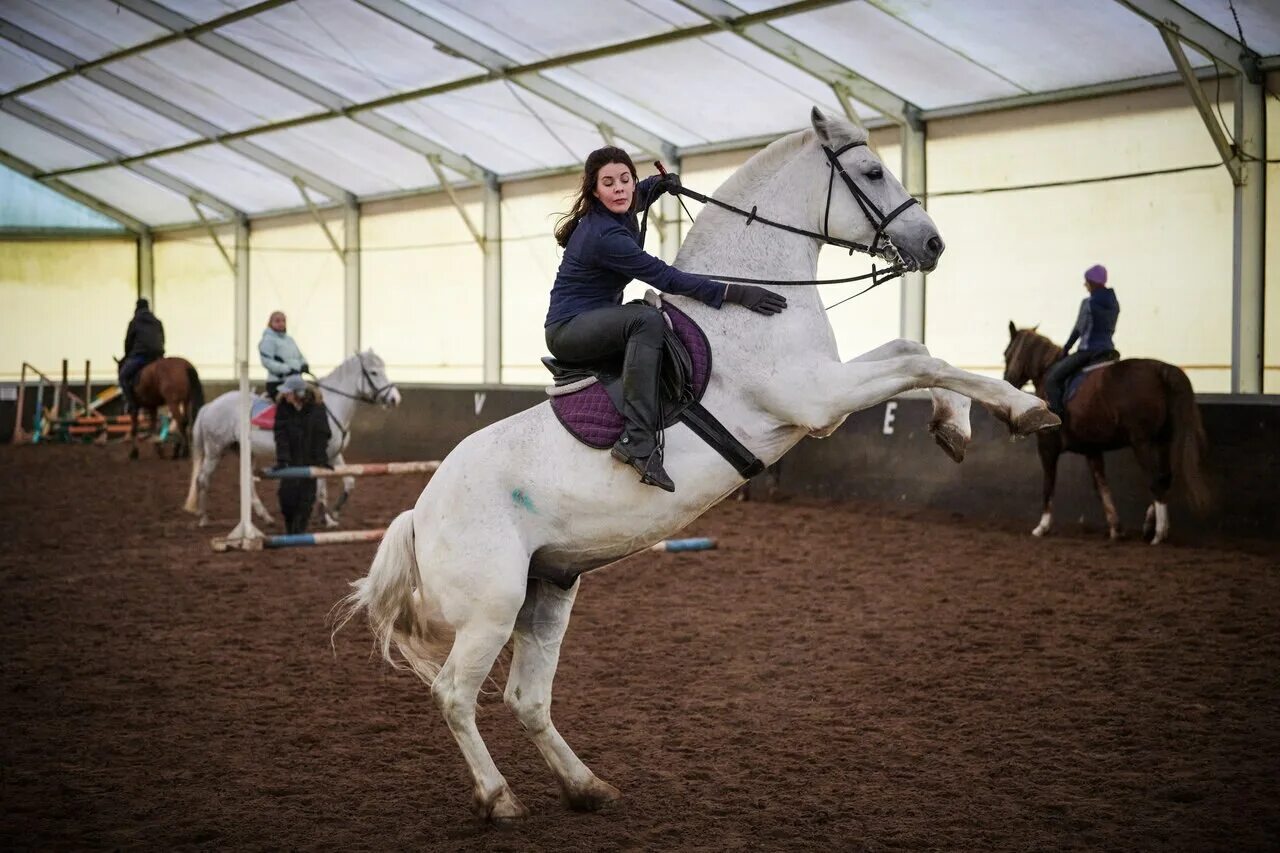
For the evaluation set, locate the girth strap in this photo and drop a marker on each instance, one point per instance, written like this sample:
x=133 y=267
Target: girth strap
x=705 y=426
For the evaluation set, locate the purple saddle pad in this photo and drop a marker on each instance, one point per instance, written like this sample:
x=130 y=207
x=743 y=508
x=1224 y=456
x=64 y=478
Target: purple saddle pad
x=590 y=415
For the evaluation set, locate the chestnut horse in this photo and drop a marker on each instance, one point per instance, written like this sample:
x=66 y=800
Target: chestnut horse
x=171 y=382
x=1136 y=402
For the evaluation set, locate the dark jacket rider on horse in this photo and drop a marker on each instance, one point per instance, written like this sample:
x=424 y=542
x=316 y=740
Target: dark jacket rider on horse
x=143 y=344
x=1095 y=326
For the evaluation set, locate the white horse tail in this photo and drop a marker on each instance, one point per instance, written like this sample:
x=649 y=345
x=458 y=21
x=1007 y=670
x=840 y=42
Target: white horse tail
x=197 y=460
x=390 y=596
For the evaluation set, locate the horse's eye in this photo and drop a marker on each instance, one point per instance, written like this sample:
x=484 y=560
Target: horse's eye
x=876 y=174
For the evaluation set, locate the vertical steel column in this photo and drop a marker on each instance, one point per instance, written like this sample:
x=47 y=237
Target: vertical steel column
x=1248 y=261
x=147 y=268
x=672 y=225
x=492 y=248
x=245 y=534
x=351 y=276
x=914 y=180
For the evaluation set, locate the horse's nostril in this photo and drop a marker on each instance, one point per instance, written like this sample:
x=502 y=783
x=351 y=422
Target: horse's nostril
x=934 y=244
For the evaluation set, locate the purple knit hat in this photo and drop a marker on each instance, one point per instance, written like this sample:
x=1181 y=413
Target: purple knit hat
x=1096 y=274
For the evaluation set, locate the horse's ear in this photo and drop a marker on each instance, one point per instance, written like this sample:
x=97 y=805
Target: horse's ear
x=1013 y=330
x=821 y=124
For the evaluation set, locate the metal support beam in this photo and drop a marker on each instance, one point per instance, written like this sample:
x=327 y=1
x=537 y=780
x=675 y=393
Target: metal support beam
x=492 y=245
x=244 y=535
x=147 y=268
x=1201 y=101
x=775 y=41
x=213 y=235
x=1248 y=255
x=49 y=124
x=351 y=318
x=457 y=202
x=22 y=167
x=1199 y=33
x=500 y=64
x=307 y=88
x=167 y=109
x=915 y=180
x=319 y=217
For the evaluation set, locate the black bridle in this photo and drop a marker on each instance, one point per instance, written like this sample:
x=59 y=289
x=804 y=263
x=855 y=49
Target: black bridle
x=868 y=207
x=374 y=398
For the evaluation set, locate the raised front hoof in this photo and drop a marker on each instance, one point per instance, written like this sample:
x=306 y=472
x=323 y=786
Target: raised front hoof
x=952 y=441
x=592 y=797
x=1035 y=420
x=501 y=809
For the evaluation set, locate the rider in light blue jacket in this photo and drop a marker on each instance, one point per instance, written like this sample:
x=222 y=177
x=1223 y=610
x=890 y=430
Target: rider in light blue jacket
x=280 y=355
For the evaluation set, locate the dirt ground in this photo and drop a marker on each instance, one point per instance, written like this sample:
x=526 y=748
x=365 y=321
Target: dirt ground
x=834 y=677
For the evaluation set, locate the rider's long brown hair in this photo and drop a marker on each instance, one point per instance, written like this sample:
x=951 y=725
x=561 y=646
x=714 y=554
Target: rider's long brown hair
x=596 y=161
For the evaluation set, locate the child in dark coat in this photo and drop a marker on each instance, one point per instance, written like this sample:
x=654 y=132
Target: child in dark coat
x=302 y=438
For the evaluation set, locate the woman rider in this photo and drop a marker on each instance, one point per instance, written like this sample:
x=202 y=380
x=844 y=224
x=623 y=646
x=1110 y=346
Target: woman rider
x=587 y=322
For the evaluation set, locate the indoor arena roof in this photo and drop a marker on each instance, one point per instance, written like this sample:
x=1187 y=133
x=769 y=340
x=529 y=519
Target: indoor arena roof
x=159 y=113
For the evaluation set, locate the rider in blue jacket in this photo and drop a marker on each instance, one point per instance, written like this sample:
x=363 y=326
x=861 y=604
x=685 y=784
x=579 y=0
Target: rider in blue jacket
x=1095 y=326
x=587 y=322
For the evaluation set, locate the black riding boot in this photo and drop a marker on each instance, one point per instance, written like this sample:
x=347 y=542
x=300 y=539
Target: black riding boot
x=642 y=410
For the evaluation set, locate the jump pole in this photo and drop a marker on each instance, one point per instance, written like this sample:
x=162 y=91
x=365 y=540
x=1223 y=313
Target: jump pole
x=298 y=540
x=372 y=469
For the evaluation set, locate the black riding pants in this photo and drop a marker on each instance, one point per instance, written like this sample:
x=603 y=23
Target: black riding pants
x=1055 y=381
x=297 y=498
x=635 y=332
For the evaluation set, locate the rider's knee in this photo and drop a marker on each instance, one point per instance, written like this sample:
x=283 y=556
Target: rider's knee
x=649 y=326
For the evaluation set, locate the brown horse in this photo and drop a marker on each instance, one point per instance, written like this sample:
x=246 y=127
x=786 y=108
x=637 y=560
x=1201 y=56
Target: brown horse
x=1136 y=402
x=171 y=382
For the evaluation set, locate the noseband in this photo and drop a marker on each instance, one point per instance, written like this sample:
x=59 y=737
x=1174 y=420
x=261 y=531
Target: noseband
x=868 y=207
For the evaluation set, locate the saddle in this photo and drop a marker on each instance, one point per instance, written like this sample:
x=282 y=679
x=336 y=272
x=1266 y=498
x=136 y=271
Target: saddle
x=1075 y=380
x=587 y=399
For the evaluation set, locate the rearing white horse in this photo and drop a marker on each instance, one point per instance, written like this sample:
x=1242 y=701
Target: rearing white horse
x=523 y=491
x=361 y=378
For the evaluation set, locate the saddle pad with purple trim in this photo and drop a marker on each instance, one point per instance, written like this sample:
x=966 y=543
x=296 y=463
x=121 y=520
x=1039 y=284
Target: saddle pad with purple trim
x=590 y=415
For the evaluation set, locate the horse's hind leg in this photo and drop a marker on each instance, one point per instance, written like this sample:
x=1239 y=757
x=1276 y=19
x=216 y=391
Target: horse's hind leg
x=475 y=647
x=1156 y=463
x=1098 y=467
x=539 y=630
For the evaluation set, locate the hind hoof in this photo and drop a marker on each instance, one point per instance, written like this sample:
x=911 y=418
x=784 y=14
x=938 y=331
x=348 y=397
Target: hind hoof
x=592 y=797
x=502 y=809
x=1035 y=420
x=952 y=441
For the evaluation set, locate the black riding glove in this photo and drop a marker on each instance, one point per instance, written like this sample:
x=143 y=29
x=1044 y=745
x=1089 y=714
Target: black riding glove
x=757 y=299
x=668 y=183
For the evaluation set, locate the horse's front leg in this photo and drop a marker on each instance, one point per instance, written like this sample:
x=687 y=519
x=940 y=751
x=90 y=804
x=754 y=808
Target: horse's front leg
x=1050 y=447
x=827 y=393
x=949 y=425
x=326 y=516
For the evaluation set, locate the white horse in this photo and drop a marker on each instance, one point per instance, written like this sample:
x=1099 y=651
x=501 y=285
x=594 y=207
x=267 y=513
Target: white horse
x=361 y=378
x=524 y=492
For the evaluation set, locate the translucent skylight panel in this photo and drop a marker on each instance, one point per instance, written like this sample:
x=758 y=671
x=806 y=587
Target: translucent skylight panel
x=502 y=129
x=88 y=28
x=1259 y=19
x=526 y=32
x=907 y=62
x=19 y=66
x=106 y=116
x=134 y=194
x=206 y=10
x=25 y=203
x=232 y=177
x=584 y=82
x=363 y=162
x=39 y=148
x=1043 y=45
x=712 y=89
x=214 y=88
x=348 y=48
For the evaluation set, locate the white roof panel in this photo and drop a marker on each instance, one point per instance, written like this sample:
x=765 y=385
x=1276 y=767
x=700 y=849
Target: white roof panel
x=347 y=48
x=19 y=66
x=134 y=194
x=206 y=10
x=232 y=177
x=356 y=158
x=527 y=32
x=495 y=124
x=110 y=118
x=1259 y=20
x=212 y=87
x=88 y=28
x=39 y=148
